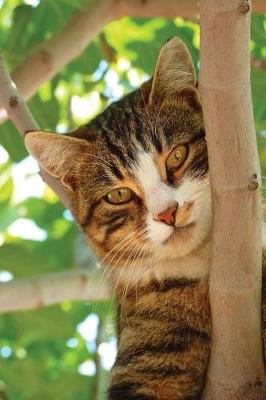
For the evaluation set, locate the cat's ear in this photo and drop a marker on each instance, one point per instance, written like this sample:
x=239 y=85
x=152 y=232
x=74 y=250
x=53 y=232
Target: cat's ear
x=174 y=71
x=57 y=154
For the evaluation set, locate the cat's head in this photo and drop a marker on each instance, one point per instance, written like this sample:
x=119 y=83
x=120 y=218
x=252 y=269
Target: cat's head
x=138 y=173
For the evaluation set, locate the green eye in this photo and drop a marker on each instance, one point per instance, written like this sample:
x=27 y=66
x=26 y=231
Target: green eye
x=177 y=157
x=119 y=196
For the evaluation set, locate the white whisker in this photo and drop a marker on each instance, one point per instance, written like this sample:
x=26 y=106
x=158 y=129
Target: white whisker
x=134 y=261
x=127 y=262
x=108 y=271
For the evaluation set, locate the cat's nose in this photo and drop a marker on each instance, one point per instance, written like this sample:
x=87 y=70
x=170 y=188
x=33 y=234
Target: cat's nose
x=168 y=216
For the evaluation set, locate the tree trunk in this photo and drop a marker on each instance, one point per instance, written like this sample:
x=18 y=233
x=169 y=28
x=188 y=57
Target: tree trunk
x=236 y=364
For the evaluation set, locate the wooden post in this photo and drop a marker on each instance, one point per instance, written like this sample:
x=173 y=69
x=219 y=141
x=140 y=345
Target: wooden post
x=236 y=365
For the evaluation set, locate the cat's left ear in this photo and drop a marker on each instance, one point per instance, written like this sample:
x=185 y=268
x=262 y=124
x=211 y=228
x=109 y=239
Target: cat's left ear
x=174 y=71
x=59 y=155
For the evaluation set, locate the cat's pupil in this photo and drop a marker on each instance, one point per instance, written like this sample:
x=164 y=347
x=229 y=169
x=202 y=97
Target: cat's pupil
x=177 y=156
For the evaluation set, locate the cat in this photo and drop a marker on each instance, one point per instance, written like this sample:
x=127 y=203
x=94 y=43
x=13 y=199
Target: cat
x=138 y=178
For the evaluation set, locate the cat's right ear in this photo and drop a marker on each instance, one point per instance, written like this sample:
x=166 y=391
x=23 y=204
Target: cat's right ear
x=57 y=154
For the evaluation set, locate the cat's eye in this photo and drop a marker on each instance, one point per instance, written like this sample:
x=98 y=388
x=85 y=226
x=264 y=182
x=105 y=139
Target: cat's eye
x=119 y=196
x=177 y=157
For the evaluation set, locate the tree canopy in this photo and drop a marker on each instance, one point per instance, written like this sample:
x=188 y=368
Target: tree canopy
x=65 y=351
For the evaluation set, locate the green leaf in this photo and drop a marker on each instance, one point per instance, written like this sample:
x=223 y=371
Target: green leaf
x=87 y=63
x=45 y=112
x=17 y=35
x=41 y=211
x=11 y=140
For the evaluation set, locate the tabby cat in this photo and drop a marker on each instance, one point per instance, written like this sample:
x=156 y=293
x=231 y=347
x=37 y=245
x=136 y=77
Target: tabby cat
x=138 y=179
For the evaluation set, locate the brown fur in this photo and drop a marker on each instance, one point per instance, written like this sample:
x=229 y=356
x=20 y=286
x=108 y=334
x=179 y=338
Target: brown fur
x=164 y=340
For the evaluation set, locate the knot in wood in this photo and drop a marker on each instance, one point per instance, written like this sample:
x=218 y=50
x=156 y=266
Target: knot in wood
x=13 y=101
x=253 y=183
x=244 y=7
x=46 y=60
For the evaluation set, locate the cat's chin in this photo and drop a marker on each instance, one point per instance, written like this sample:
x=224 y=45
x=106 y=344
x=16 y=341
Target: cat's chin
x=182 y=241
x=180 y=233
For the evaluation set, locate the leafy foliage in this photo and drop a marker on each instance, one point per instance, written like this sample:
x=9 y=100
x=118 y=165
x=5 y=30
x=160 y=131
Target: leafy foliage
x=45 y=353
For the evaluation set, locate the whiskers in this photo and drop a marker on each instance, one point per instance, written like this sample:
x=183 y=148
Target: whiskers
x=144 y=250
x=127 y=246
x=129 y=267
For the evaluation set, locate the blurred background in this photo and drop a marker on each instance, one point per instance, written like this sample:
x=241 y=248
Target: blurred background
x=65 y=351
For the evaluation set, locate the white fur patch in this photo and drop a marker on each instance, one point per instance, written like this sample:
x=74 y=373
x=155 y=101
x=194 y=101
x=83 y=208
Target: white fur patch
x=157 y=231
x=198 y=192
x=158 y=196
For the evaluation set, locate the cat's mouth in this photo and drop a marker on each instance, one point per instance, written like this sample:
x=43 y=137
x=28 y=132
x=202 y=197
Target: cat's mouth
x=180 y=232
x=183 y=226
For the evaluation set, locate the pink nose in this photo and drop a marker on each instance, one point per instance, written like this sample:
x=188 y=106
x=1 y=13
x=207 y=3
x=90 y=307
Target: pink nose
x=168 y=216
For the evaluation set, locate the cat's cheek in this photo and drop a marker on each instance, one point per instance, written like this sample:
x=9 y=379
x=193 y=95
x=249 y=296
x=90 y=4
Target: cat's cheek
x=158 y=232
x=202 y=213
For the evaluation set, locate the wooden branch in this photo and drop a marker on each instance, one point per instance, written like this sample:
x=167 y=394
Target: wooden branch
x=45 y=290
x=63 y=47
x=156 y=8
x=236 y=366
x=23 y=120
x=13 y=103
x=85 y=24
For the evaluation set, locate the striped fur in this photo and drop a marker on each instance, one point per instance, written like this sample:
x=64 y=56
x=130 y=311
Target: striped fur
x=164 y=341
